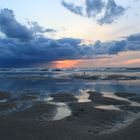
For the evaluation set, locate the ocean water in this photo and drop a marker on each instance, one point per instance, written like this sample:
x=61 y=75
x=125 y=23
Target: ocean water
x=51 y=81
x=24 y=83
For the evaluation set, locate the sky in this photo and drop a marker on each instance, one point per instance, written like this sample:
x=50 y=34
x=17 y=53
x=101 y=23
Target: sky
x=70 y=33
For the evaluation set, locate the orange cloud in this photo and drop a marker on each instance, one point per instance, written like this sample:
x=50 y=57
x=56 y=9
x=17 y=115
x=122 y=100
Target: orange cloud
x=66 y=63
x=133 y=61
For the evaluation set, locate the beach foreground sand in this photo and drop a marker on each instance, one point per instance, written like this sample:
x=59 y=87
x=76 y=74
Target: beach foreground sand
x=87 y=121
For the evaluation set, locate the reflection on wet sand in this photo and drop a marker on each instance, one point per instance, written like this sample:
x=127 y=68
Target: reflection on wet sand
x=83 y=96
x=3 y=101
x=107 y=107
x=62 y=112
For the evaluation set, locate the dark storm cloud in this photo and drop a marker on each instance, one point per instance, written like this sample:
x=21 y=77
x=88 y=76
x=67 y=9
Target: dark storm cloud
x=130 y=43
x=11 y=27
x=73 y=8
x=135 y=37
x=47 y=50
x=40 y=48
x=99 y=10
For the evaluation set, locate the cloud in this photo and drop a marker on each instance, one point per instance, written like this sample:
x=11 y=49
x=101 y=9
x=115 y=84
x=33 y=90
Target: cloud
x=36 y=28
x=134 y=37
x=40 y=49
x=73 y=8
x=130 y=43
x=50 y=30
x=101 y=11
x=11 y=27
x=94 y=7
x=14 y=52
x=112 y=12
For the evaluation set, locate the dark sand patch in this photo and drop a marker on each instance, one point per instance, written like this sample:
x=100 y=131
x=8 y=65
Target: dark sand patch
x=63 y=97
x=86 y=77
x=94 y=121
x=136 y=99
x=4 y=95
x=15 y=128
x=130 y=96
x=40 y=111
x=134 y=109
x=104 y=77
x=88 y=110
x=120 y=77
x=97 y=98
x=125 y=94
x=5 y=106
x=28 y=97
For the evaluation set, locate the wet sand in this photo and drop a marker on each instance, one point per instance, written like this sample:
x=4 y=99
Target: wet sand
x=4 y=96
x=86 y=121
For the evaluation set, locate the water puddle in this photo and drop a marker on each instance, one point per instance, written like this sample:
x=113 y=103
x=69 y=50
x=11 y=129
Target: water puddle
x=3 y=101
x=62 y=111
x=83 y=97
x=47 y=99
x=107 y=107
x=112 y=95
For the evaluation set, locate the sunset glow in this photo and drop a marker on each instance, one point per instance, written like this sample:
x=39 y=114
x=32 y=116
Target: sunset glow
x=133 y=61
x=66 y=63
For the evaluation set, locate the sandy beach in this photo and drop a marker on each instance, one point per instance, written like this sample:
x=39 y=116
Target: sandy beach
x=69 y=105
x=88 y=120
